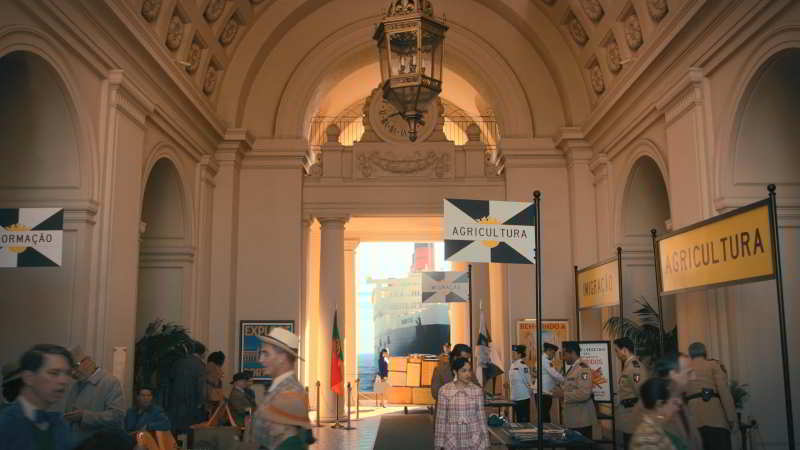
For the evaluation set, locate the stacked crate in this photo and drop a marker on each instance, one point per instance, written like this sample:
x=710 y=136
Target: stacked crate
x=410 y=380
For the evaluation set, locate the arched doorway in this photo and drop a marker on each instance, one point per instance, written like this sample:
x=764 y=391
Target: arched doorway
x=40 y=167
x=165 y=255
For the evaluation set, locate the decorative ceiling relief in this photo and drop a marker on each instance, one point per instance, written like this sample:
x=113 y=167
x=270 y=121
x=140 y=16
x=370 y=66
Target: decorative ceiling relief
x=210 y=81
x=596 y=76
x=614 y=58
x=431 y=163
x=633 y=30
x=593 y=9
x=151 y=9
x=658 y=9
x=229 y=32
x=175 y=32
x=195 y=53
x=214 y=10
x=576 y=29
x=549 y=2
x=256 y=2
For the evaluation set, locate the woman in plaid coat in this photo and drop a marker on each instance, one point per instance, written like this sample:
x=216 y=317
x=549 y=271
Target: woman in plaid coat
x=460 y=417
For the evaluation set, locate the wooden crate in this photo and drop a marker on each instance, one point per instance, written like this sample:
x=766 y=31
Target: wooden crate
x=422 y=396
x=399 y=395
x=397 y=378
x=413 y=374
x=427 y=372
x=398 y=363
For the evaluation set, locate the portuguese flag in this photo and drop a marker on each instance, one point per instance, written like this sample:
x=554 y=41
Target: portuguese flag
x=337 y=360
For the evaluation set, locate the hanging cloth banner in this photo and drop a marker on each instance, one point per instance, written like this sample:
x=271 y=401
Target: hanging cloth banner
x=598 y=285
x=445 y=287
x=31 y=237
x=733 y=248
x=489 y=231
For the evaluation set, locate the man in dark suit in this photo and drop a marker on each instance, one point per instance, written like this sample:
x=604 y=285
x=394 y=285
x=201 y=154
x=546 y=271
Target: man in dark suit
x=27 y=424
x=187 y=393
x=242 y=400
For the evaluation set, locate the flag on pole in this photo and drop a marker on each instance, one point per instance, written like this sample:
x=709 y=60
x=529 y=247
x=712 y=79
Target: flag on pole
x=488 y=359
x=337 y=360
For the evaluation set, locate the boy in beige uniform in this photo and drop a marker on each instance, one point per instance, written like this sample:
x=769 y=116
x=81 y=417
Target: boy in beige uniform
x=579 y=410
x=710 y=400
x=632 y=377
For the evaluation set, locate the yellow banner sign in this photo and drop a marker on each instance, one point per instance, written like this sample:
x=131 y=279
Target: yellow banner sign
x=732 y=249
x=599 y=286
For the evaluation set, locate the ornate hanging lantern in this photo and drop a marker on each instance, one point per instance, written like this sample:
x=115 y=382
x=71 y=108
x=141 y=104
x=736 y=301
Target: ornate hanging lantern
x=410 y=47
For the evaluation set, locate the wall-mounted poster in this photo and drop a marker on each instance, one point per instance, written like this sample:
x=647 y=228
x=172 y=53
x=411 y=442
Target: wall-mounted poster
x=597 y=355
x=554 y=332
x=249 y=344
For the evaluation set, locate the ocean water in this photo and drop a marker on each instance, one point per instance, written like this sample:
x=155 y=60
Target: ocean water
x=367 y=370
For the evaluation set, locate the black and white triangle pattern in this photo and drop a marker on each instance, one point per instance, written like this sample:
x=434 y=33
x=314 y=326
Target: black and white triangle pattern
x=45 y=228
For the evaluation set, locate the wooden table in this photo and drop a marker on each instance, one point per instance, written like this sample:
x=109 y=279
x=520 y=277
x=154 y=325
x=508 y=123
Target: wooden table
x=500 y=404
x=574 y=440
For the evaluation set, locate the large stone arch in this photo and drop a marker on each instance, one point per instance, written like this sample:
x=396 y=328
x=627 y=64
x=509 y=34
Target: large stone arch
x=758 y=61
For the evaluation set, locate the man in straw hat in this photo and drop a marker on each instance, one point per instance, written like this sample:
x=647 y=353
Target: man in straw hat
x=281 y=421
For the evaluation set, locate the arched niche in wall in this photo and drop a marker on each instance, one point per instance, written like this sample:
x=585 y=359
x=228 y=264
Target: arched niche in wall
x=165 y=255
x=39 y=167
x=645 y=206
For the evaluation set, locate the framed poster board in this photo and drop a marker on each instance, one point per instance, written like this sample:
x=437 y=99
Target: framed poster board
x=553 y=331
x=597 y=355
x=249 y=344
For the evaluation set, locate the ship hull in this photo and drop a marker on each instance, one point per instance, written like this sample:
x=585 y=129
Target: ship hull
x=404 y=341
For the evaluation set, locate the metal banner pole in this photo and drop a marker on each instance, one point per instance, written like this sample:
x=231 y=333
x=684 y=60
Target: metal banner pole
x=619 y=281
x=318 y=425
x=469 y=277
x=538 y=298
x=577 y=306
x=337 y=424
x=657 y=258
x=776 y=258
x=613 y=407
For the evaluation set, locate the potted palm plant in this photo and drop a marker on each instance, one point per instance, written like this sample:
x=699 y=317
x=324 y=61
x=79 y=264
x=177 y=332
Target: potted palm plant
x=162 y=344
x=644 y=331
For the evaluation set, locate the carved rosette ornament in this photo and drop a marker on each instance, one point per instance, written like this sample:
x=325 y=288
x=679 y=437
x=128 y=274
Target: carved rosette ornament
x=576 y=30
x=658 y=9
x=210 y=81
x=438 y=163
x=214 y=10
x=174 y=33
x=614 y=58
x=195 y=52
x=229 y=32
x=633 y=31
x=596 y=76
x=593 y=9
x=150 y=9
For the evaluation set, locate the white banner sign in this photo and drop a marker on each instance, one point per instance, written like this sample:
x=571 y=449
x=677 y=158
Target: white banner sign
x=445 y=287
x=489 y=231
x=597 y=355
x=31 y=237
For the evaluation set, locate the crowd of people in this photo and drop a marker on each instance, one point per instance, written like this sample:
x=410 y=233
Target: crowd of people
x=59 y=399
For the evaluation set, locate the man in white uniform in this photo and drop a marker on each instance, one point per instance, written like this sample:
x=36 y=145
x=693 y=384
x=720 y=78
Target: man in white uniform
x=520 y=377
x=551 y=378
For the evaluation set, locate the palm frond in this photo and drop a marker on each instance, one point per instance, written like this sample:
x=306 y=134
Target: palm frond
x=645 y=331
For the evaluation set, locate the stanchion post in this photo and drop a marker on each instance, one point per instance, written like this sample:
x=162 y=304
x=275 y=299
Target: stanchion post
x=318 y=425
x=358 y=398
x=349 y=407
x=776 y=258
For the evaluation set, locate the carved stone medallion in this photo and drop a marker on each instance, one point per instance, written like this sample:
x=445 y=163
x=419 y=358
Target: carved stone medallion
x=593 y=9
x=229 y=32
x=174 y=33
x=614 y=58
x=576 y=30
x=373 y=163
x=210 y=81
x=657 y=9
x=214 y=10
x=390 y=126
x=633 y=31
x=596 y=76
x=195 y=52
x=150 y=9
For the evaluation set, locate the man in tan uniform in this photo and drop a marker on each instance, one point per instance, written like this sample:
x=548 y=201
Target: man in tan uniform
x=677 y=369
x=632 y=377
x=579 y=411
x=710 y=400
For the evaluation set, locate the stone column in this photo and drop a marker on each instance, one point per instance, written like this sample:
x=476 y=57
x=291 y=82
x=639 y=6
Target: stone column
x=202 y=321
x=224 y=239
x=350 y=315
x=332 y=289
x=109 y=323
x=304 y=321
x=604 y=206
x=583 y=217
